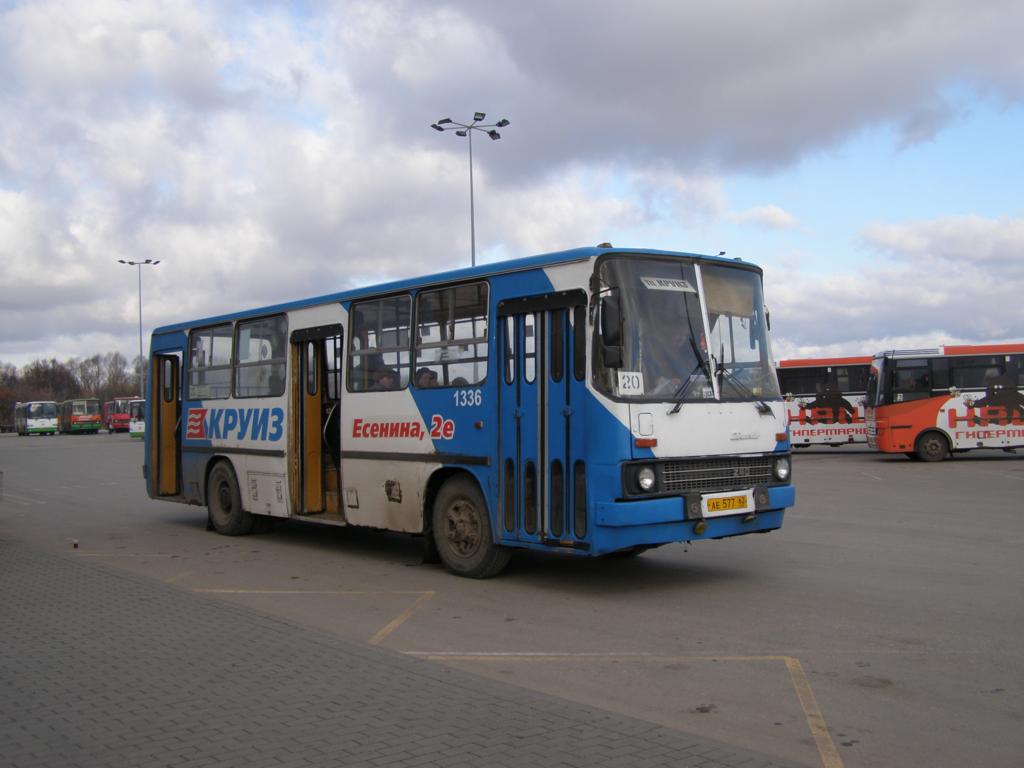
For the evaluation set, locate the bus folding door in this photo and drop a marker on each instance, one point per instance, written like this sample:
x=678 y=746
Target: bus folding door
x=165 y=408
x=318 y=352
x=542 y=421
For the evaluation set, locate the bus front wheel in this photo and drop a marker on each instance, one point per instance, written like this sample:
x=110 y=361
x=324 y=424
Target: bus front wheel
x=225 y=502
x=462 y=531
x=932 y=446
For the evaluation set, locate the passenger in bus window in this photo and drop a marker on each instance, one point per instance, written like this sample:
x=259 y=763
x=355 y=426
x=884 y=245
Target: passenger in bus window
x=425 y=378
x=386 y=379
x=459 y=381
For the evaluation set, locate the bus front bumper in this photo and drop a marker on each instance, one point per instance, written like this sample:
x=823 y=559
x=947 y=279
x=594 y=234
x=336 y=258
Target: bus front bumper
x=623 y=514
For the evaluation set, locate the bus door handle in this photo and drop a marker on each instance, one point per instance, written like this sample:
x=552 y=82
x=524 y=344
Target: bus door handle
x=567 y=411
x=518 y=412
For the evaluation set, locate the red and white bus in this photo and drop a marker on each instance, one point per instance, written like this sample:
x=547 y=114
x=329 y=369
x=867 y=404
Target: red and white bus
x=825 y=399
x=928 y=403
x=116 y=415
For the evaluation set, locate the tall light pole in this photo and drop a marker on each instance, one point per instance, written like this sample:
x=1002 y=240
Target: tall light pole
x=142 y=367
x=461 y=129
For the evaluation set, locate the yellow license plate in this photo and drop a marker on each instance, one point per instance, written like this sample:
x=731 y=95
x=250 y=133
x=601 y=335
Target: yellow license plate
x=727 y=504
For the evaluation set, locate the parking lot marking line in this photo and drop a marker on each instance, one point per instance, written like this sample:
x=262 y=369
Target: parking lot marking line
x=178 y=577
x=126 y=554
x=801 y=685
x=309 y=591
x=1003 y=474
x=812 y=713
x=23 y=500
x=873 y=477
x=400 y=619
x=390 y=627
x=561 y=657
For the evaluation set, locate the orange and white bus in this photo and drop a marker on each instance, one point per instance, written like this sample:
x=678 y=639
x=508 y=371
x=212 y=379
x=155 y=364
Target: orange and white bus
x=825 y=399
x=929 y=403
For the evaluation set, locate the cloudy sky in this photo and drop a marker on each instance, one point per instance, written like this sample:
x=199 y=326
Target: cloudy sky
x=869 y=155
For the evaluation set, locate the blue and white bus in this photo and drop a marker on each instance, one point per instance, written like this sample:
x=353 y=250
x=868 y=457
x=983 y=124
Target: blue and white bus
x=594 y=401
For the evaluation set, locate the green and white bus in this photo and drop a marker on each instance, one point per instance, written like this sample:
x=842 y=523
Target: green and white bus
x=36 y=418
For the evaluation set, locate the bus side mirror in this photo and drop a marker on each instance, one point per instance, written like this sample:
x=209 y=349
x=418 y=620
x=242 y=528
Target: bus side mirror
x=611 y=331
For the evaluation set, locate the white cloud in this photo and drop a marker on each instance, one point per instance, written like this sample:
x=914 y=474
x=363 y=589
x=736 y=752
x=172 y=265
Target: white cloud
x=765 y=217
x=933 y=282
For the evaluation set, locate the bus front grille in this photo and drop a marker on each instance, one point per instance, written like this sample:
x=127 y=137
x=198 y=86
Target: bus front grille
x=718 y=474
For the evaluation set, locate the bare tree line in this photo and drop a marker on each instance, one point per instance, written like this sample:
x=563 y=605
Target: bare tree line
x=102 y=376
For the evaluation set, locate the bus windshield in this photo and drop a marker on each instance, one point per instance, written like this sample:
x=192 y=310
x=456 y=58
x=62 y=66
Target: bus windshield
x=668 y=350
x=739 y=343
x=874 y=393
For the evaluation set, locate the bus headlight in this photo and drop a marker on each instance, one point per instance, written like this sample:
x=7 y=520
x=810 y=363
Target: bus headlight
x=646 y=479
x=781 y=468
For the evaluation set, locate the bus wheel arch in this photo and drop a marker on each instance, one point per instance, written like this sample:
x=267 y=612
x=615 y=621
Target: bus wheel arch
x=224 y=501
x=461 y=529
x=932 y=446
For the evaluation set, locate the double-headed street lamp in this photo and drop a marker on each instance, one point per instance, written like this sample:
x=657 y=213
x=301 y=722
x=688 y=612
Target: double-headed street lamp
x=142 y=367
x=447 y=124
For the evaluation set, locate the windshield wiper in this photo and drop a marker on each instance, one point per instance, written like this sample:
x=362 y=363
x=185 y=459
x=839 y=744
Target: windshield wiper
x=685 y=386
x=762 y=407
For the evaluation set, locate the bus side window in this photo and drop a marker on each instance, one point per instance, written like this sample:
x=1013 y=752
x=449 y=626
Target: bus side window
x=913 y=380
x=380 y=340
x=974 y=372
x=210 y=362
x=510 y=349
x=451 y=333
x=261 y=357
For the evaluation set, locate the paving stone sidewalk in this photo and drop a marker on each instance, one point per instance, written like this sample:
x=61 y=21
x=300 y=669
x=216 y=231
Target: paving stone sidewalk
x=100 y=667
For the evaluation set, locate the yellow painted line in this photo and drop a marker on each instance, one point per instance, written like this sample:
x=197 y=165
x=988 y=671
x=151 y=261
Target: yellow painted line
x=808 y=704
x=815 y=721
x=644 y=657
x=126 y=554
x=390 y=627
x=401 y=619
x=25 y=501
x=309 y=592
x=177 y=577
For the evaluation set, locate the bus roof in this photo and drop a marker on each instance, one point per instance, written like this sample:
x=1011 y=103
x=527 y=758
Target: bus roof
x=815 y=362
x=955 y=350
x=464 y=273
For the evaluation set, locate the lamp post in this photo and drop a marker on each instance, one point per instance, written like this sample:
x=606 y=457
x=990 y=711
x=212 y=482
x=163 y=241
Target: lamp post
x=142 y=367
x=461 y=129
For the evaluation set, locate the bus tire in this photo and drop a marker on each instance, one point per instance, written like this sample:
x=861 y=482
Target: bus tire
x=225 y=502
x=462 y=531
x=932 y=446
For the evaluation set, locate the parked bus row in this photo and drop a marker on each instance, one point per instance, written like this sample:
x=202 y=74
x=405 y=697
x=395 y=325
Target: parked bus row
x=926 y=403
x=80 y=415
x=588 y=402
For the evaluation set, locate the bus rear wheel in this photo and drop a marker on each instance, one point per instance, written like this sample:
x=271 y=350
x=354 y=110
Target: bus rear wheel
x=932 y=446
x=462 y=531
x=225 y=502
